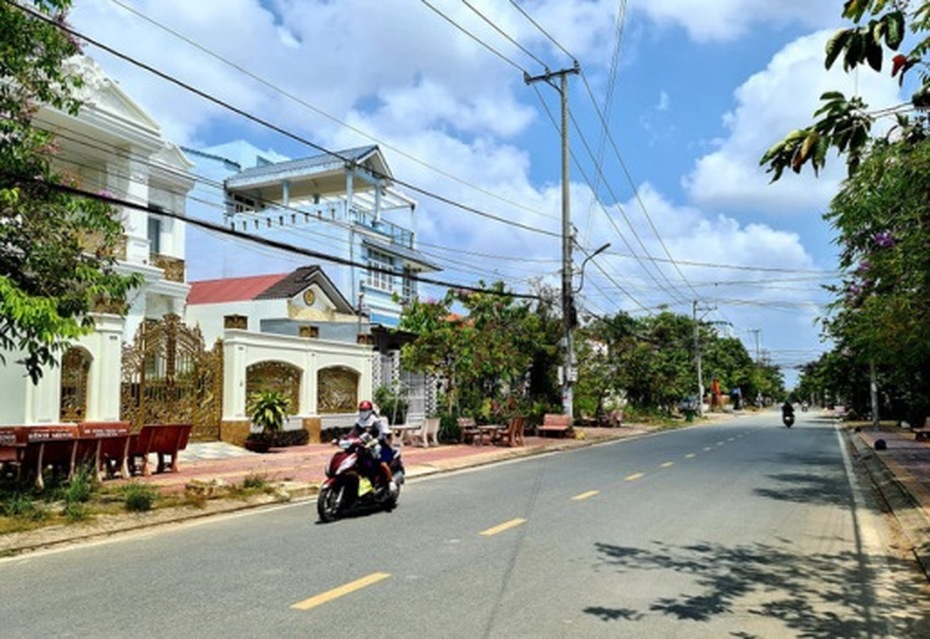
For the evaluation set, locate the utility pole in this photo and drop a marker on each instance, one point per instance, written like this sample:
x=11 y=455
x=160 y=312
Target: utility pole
x=697 y=356
x=756 y=332
x=569 y=372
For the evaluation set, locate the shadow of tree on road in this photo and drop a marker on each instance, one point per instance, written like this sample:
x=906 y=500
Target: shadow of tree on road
x=814 y=595
x=817 y=480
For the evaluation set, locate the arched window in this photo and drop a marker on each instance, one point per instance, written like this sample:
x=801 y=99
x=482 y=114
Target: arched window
x=337 y=390
x=275 y=376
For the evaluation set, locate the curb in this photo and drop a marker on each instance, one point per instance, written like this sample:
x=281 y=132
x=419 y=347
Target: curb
x=900 y=498
x=286 y=492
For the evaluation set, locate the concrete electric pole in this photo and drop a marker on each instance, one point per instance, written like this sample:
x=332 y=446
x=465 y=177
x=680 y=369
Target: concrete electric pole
x=569 y=373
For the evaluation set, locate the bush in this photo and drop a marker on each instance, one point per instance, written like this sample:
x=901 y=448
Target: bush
x=448 y=428
x=284 y=438
x=390 y=405
x=23 y=507
x=75 y=511
x=139 y=497
x=255 y=481
x=81 y=487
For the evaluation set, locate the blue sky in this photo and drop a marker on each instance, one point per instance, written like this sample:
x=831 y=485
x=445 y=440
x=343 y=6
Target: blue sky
x=700 y=90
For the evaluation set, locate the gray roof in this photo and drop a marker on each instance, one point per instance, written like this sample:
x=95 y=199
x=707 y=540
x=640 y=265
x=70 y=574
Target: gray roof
x=299 y=280
x=302 y=167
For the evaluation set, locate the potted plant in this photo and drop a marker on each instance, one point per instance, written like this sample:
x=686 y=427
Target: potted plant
x=267 y=409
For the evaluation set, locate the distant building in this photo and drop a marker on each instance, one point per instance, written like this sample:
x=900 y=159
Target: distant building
x=332 y=205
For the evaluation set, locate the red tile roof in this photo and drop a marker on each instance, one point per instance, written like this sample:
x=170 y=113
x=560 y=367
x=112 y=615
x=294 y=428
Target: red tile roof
x=236 y=289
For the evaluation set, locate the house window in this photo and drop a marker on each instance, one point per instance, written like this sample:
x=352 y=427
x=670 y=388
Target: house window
x=410 y=286
x=154 y=235
x=243 y=204
x=379 y=279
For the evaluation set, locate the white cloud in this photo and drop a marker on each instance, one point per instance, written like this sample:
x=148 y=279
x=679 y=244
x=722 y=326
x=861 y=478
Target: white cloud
x=769 y=105
x=725 y=20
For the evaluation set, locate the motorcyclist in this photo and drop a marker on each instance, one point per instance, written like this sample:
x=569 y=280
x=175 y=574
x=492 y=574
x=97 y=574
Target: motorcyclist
x=371 y=423
x=787 y=409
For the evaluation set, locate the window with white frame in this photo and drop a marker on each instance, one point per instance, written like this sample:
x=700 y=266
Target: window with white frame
x=380 y=279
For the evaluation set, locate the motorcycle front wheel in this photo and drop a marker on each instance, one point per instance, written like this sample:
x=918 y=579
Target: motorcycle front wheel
x=327 y=503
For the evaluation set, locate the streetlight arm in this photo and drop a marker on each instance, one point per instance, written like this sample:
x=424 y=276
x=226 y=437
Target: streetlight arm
x=584 y=263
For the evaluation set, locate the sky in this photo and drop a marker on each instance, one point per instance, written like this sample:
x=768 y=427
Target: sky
x=691 y=99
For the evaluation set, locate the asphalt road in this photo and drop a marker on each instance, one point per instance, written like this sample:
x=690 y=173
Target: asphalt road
x=742 y=529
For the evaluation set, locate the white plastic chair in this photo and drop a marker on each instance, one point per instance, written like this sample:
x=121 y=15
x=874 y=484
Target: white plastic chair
x=428 y=431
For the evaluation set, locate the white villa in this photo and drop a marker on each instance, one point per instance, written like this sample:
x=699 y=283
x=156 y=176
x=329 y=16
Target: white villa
x=113 y=146
x=192 y=352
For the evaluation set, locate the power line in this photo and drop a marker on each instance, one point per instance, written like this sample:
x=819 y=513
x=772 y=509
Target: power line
x=505 y=34
x=77 y=137
x=276 y=128
x=473 y=36
x=110 y=199
x=331 y=118
x=541 y=30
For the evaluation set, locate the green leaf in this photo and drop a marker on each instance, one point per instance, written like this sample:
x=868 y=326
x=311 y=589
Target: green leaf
x=894 y=29
x=835 y=45
x=873 y=53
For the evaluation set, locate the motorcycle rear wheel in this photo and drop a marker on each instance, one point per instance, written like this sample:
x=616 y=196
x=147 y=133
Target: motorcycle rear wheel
x=327 y=503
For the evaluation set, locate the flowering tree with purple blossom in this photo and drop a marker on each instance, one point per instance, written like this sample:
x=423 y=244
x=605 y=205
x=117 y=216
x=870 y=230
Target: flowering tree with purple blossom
x=881 y=312
x=57 y=251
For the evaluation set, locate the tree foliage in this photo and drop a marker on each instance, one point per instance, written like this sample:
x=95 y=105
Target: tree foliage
x=484 y=344
x=845 y=124
x=651 y=363
x=57 y=251
x=880 y=316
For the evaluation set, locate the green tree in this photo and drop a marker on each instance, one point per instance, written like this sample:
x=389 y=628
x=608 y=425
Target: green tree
x=486 y=354
x=880 y=318
x=57 y=251
x=845 y=124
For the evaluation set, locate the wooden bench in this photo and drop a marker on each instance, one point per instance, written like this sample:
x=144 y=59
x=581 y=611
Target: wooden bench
x=50 y=447
x=164 y=440
x=106 y=446
x=559 y=425
x=13 y=442
x=921 y=434
x=468 y=429
x=510 y=435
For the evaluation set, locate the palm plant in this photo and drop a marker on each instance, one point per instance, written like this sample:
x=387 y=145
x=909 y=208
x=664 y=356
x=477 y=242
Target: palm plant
x=268 y=409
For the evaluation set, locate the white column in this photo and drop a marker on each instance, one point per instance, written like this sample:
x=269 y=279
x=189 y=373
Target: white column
x=105 y=382
x=234 y=380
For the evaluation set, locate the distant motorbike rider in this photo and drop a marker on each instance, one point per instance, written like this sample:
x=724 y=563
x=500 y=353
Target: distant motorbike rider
x=374 y=425
x=787 y=409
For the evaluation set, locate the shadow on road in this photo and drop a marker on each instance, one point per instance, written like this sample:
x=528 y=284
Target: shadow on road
x=813 y=595
x=817 y=480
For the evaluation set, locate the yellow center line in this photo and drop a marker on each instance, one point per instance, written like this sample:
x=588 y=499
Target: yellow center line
x=507 y=525
x=341 y=591
x=668 y=464
x=635 y=476
x=689 y=455
x=590 y=493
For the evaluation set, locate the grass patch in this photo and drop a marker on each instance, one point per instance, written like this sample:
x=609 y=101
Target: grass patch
x=138 y=497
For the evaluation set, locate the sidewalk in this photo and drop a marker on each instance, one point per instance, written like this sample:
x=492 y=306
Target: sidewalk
x=296 y=472
x=901 y=473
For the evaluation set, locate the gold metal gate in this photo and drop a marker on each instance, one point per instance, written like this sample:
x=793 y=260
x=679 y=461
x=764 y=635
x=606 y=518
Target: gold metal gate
x=168 y=376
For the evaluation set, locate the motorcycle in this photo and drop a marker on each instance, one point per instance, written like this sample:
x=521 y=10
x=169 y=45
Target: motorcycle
x=787 y=419
x=354 y=482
